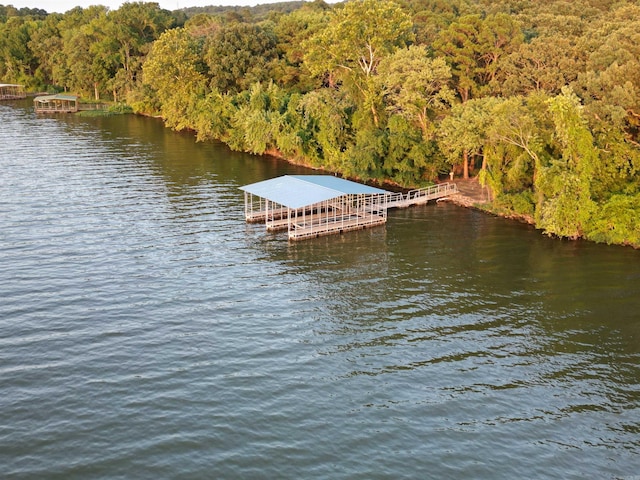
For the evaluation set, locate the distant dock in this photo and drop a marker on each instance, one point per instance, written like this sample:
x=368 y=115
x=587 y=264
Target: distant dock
x=10 y=91
x=59 y=103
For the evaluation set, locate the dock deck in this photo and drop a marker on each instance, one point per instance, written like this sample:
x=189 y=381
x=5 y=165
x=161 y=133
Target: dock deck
x=334 y=225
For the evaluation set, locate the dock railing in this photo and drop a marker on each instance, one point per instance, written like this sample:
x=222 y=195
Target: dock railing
x=421 y=195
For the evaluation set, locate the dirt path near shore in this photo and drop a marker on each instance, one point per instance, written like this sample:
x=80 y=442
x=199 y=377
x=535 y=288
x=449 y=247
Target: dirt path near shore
x=471 y=193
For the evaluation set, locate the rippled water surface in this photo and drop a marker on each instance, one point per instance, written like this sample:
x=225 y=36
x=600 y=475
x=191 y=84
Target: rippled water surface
x=146 y=331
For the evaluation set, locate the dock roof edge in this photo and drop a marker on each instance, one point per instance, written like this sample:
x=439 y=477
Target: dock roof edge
x=297 y=191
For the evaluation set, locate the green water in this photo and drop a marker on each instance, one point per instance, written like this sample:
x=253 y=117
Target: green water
x=146 y=331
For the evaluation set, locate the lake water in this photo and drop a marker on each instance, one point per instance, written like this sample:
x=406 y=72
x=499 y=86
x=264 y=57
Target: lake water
x=147 y=331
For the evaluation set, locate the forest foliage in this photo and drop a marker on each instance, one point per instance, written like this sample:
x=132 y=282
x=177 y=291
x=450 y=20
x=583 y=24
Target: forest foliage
x=539 y=100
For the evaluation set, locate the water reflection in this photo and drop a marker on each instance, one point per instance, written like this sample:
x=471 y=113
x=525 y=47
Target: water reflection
x=178 y=158
x=433 y=342
x=493 y=314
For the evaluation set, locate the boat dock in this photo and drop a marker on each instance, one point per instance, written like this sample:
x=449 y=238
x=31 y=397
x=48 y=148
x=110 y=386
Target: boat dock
x=10 y=91
x=310 y=206
x=58 y=103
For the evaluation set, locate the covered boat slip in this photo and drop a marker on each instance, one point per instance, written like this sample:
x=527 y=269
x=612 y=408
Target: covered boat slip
x=60 y=103
x=349 y=212
x=10 y=91
x=310 y=206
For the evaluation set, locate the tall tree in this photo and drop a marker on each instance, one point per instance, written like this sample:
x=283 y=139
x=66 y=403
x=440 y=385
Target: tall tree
x=129 y=33
x=519 y=132
x=459 y=44
x=610 y=84
x=463 y=134
x=87 y=73
x=327 y=114
x=545 y=64
x=259 y=120
x=17 y=62
x=292 y=31
x=46 y=45
x=175 y=72
x=568 y=208
x=417 y=87
x=474 y=47
x=359 y=35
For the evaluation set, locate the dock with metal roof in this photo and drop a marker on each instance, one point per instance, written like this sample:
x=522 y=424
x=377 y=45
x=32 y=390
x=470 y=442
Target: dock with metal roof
x=310 y=206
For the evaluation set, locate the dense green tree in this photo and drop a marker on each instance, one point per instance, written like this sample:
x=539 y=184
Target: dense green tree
x=291 y=32
x=546 y=64
x=259 y=121
x=202 y=25
x=327 y=114
x=129 y=33
x=618 y=221
x=565 y=184
x=463 y=134
x=417 y=87
x=175 y=72
x=239 y=55
x=366 y=153
x=518 y=135
x=87 y=73
x=358 y=36
x=475 y=47
x=417 y=94
x=411 y=160
x=545 y=24
x=432 y=16
x=211 y=116
x=46 y=46
x=17 y=62
x=610 y=84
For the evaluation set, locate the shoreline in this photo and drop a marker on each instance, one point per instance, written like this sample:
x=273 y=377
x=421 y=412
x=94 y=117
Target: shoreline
x=471 y=194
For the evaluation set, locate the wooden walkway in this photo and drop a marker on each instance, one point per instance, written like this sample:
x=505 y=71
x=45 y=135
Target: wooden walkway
x=421 y=195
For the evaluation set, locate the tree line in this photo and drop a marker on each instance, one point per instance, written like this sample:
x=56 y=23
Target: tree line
x=539 y=100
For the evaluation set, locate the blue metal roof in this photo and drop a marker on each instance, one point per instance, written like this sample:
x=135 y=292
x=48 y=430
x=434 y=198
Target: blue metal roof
x=297 y=191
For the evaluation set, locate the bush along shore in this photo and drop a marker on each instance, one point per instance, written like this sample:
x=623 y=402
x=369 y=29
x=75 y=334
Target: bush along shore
x=539 y=103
